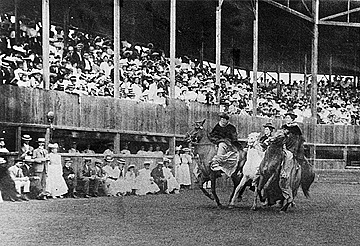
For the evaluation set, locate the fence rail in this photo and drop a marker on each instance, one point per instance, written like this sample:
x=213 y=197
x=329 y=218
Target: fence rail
x=27 y=106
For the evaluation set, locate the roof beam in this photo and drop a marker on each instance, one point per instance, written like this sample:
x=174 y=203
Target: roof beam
x=340 y=14
x=339 y=23
x=290 y=10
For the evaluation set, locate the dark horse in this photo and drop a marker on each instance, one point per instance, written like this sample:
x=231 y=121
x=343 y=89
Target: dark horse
x=205 y=150
x=270 y=168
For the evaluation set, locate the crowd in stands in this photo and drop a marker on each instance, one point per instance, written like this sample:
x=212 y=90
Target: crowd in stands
x=42 y=173
x=86 y=66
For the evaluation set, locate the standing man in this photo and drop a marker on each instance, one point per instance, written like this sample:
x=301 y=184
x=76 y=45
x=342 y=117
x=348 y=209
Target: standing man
x=41 y=158
x=26 y=149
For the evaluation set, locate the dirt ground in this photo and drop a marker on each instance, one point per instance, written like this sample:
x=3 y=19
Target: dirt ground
x=330 y=217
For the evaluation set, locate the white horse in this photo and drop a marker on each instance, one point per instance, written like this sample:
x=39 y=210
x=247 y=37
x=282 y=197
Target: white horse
x=254 y=156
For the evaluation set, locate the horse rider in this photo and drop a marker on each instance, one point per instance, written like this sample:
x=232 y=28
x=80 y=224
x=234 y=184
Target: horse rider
x=265 y=138
x=224 y=135
x=293 y=142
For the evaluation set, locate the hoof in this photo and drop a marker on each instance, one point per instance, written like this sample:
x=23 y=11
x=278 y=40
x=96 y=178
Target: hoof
x=231 y=206
x=253 y=208
x=282 y=212
x=293 y=204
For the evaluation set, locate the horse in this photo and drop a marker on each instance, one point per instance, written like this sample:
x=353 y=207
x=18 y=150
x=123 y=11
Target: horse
x=270 y=168
x=205 y=150
x=254 y=156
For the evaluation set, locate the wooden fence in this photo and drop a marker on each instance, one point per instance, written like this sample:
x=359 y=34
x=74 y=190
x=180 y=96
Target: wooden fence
x=27 y=106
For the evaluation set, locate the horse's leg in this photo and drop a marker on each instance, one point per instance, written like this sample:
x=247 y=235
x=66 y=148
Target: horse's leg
x=201 y=186
x=213 y=188
x=240 y=186
x=236 y=181
x=255 y=198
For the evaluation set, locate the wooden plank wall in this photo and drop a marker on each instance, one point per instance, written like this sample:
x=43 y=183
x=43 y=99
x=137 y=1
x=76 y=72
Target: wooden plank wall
x=27 y=105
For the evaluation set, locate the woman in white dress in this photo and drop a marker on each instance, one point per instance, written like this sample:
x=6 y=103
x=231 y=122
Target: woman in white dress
x=145 y=183
x=130 y=179
x=55 y=183
x=172 y=184
x=183 y=176
x=177 y=162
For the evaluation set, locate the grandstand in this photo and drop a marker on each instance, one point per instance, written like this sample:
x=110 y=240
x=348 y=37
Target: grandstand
x=95 y=115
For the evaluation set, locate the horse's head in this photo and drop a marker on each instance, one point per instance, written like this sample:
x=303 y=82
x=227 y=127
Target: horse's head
x=253 y=139
x=197 y=133
x=278 y=138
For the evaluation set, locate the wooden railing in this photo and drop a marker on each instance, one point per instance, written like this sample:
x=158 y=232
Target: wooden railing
x=29 y=107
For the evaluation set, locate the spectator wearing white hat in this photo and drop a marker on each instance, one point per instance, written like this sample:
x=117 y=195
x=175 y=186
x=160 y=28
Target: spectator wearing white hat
x=26 y=149
x=145 y=183
x=172 y=184
x=41 y=158
x=184 y=176
x=112 y=173
x=130 y=178
x=55 y=183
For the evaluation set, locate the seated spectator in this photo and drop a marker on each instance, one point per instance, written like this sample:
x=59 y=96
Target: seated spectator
x=19 y=179
x=55 y=183
x=112 y=173
x=88 y=150
x=125 y=150
x=110 y=150
x=7 y=185
x=121 y=186
x=172 y=184
x=158 y=175
x=3 y=149
x=70 y=178
x=145 y=183
x=141 y=151
x=73 y=149
x=130 y=178
x=158 y=152
x=89 y=174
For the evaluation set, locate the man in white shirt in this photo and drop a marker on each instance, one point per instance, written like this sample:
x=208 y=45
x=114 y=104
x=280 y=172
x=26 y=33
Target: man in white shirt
x=112 y=173
x=19 y=179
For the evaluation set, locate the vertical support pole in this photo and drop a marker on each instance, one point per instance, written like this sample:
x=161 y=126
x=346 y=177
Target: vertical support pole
x=117 y=140
x=255 y=56
x=218 y=46
x=330 y=68
x=172 y=144
x=172 y=46
x=345 y=157
x=18 y=138
x=314 y=58
x=289 y=78
x=117 y=41
x=348 y=15
x=232 y=65
x=305 y=75
x=278 y=87
x=265 y=82
x=45 y=42
x=47 y=136
x=17 y=27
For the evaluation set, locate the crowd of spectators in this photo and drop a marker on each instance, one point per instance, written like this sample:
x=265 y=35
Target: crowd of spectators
x=39 y=172
x=86 y=66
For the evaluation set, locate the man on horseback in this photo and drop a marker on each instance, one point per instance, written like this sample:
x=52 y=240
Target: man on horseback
x=224 y=135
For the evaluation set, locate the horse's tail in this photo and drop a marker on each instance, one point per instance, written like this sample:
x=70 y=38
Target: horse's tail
x=307 y=177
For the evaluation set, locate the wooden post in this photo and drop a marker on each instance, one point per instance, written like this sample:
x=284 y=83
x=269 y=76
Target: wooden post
x=172 y=145
x=47 y=136
x=18 y=138
x=172 y=46
x=278 y=87
x=330 y=68
x=117 y=41
x=305 y=75
x=218 y=45
x=17 y=27
x=314 y=58
x=45 y=42
x=117 y=140
x=289 y=78
x=255 y=56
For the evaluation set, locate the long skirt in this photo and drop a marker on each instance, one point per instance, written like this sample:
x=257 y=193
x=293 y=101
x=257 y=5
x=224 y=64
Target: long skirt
x=55 y=183
x=182 y=174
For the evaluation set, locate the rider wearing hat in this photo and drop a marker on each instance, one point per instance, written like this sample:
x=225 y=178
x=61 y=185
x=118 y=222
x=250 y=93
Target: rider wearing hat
x=268 y=131
x=224 y=134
